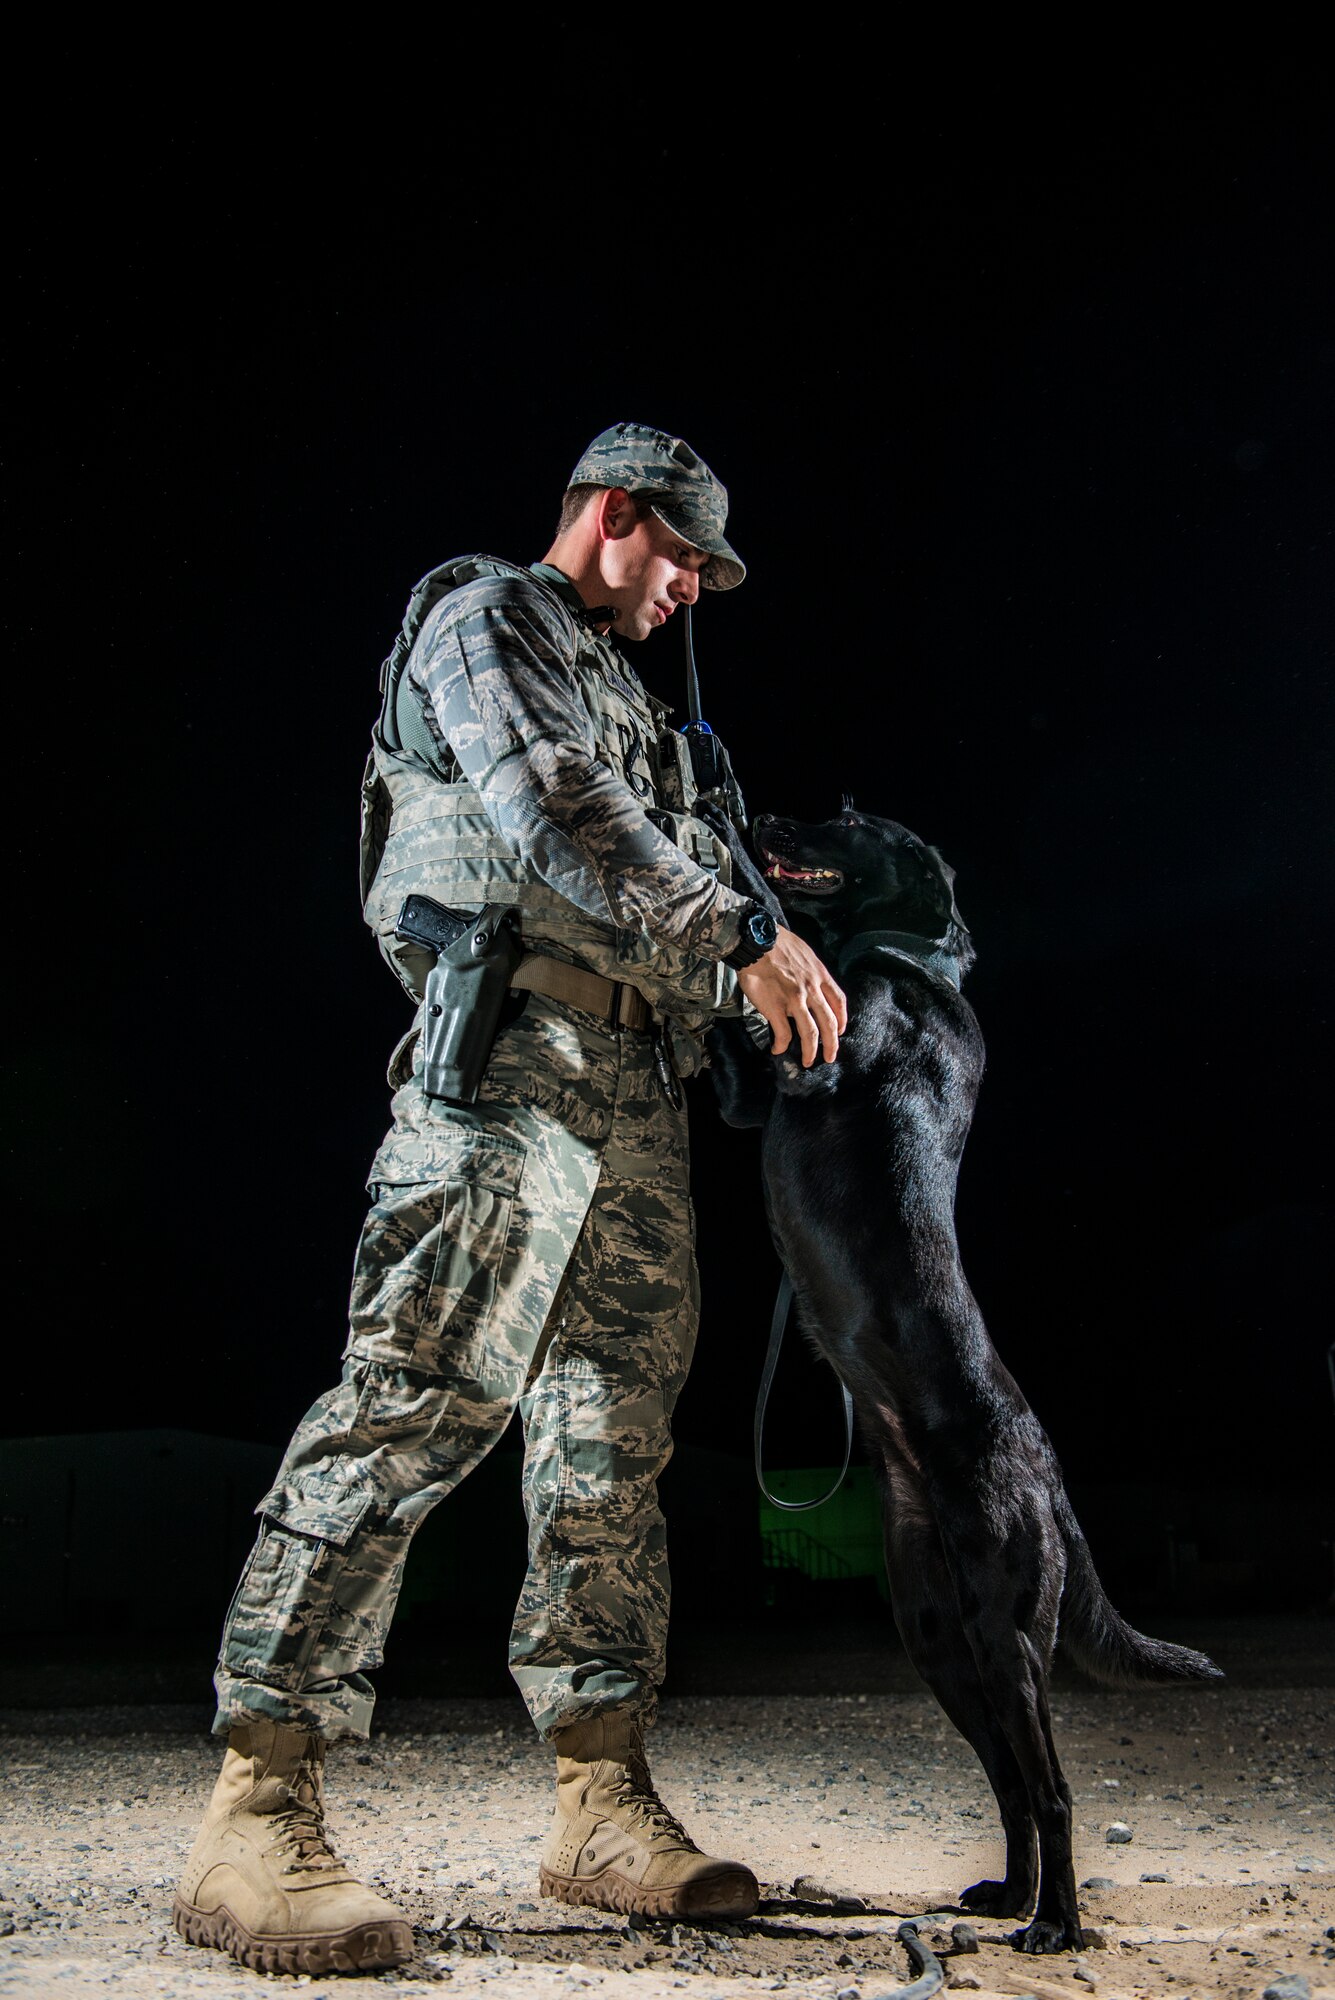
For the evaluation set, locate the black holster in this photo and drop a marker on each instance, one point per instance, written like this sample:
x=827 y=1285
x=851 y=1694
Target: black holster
x=465 y=991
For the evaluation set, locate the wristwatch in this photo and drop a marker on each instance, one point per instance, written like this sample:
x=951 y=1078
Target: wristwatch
x=759 y=931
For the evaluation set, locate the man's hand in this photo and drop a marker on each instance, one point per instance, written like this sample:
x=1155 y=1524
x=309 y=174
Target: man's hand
x=793 y=990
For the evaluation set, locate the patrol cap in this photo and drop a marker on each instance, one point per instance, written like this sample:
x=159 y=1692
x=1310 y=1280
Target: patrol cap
x=680 y=487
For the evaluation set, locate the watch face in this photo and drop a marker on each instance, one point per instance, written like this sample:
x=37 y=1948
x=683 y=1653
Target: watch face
x=763 y=928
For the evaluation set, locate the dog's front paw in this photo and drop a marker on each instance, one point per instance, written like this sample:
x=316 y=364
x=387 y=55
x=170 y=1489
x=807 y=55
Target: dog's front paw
x=997 y=1899
x=1043 y=1936
x=792 y=1080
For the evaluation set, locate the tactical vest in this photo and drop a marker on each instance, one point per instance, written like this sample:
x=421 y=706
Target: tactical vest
x=426 y=831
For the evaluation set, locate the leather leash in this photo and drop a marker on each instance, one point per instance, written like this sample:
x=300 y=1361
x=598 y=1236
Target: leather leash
x=778 y=1323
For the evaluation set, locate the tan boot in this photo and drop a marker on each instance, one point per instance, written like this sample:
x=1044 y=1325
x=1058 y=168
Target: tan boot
x=263 y=1882
x=614 y=1843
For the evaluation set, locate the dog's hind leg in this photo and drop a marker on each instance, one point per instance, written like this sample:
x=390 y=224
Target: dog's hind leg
x=926 y=1612
x=1008 y=1597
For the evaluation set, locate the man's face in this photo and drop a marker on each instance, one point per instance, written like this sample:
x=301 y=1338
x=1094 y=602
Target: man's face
x=647 y=570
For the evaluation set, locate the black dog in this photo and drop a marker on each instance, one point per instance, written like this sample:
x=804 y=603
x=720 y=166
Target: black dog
x=984 y=1554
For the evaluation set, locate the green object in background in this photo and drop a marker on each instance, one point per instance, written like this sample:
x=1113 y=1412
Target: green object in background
x=833 y=1543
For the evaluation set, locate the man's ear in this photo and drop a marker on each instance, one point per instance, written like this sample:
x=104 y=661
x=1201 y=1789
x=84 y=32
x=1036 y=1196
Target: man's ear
x=616 y=516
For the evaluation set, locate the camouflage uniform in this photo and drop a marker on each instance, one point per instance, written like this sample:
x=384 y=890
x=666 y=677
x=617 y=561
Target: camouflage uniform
x=532 y=1249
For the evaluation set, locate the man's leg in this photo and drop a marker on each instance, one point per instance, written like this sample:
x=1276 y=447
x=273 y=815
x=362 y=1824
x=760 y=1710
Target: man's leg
x=474 y=1218
x=453 y=1282
x=587 y=1648
x=590 y=1629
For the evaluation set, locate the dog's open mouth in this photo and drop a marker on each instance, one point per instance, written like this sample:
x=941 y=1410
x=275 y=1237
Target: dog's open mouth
x=820 y=880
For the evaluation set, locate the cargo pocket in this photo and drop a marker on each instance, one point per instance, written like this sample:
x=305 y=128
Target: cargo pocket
x=431 y=1257
x=282 y=1601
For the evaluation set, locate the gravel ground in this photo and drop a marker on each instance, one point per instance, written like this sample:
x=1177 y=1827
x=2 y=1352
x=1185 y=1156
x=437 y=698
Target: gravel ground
x=1227 y=1793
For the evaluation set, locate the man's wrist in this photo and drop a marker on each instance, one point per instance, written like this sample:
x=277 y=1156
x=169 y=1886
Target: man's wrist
x=756 y=935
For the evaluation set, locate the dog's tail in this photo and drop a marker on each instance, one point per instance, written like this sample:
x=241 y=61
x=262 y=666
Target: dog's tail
x=1094 y=1634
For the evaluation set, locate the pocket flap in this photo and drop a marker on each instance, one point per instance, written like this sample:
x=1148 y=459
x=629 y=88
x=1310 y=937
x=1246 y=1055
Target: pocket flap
x=453 y=1154
x=327 y=1511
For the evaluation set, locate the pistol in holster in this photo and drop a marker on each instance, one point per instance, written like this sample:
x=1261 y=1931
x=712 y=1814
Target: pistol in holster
x=477 y=954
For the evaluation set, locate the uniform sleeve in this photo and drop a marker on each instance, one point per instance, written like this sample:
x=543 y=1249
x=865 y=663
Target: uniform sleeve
x=495 y=668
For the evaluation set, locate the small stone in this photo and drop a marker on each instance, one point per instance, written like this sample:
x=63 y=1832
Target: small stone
x=1094 y=1939
x=1118 y=1834
x=1289 y=1986
x=1154 y=1878
x=968 y=1981
x=1098 y=1882
x=964 y=1937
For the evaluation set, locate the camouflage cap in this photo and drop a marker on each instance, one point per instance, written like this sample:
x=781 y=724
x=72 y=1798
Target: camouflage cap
x=681 y=489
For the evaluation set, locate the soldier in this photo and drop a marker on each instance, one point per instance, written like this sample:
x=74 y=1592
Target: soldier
x=531 y=1248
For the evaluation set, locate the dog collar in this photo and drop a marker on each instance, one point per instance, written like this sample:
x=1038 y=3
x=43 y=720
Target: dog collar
x=928 y=953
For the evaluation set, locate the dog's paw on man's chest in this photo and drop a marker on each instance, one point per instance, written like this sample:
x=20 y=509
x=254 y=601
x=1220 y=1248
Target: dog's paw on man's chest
x=791 y=1080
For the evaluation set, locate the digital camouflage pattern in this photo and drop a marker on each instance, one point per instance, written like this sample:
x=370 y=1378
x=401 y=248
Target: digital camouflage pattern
x=541 y=752
x=686 y=493
x=573 y=1163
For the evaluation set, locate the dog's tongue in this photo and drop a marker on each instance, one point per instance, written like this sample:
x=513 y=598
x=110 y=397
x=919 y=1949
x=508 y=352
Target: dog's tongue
x=781 y=872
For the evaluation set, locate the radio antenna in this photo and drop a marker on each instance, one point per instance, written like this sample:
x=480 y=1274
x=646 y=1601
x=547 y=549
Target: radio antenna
x=692 y=677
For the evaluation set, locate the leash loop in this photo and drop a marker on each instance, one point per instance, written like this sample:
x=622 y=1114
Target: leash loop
x=779 y=1321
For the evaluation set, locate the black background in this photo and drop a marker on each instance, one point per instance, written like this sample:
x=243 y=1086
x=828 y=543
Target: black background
x=1025 y=407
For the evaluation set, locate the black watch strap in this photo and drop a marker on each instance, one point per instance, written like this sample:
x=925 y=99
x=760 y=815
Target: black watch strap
x=758 y=932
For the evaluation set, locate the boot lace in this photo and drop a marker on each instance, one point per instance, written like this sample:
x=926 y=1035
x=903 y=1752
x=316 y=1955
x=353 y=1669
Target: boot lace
x=299 y=1831
x=633 y=1788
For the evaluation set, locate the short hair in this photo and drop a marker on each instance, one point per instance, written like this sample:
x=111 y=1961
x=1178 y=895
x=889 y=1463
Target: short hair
x=578 y=497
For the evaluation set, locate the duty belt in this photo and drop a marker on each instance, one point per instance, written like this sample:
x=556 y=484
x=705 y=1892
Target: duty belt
x=620 y=1005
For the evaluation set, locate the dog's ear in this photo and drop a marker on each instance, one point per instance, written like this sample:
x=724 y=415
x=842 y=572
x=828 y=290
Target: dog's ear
x=940 y=886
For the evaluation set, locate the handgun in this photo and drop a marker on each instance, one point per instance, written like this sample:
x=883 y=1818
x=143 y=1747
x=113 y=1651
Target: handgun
x=477 y=953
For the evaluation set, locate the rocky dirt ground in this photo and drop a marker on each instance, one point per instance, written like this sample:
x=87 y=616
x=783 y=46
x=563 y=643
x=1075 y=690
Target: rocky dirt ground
x=856 y=1810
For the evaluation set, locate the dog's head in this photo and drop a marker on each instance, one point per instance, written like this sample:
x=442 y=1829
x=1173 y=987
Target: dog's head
x=857 y=873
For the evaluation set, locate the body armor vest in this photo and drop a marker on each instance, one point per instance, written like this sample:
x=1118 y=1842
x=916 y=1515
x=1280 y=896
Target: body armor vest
x=426 y=831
